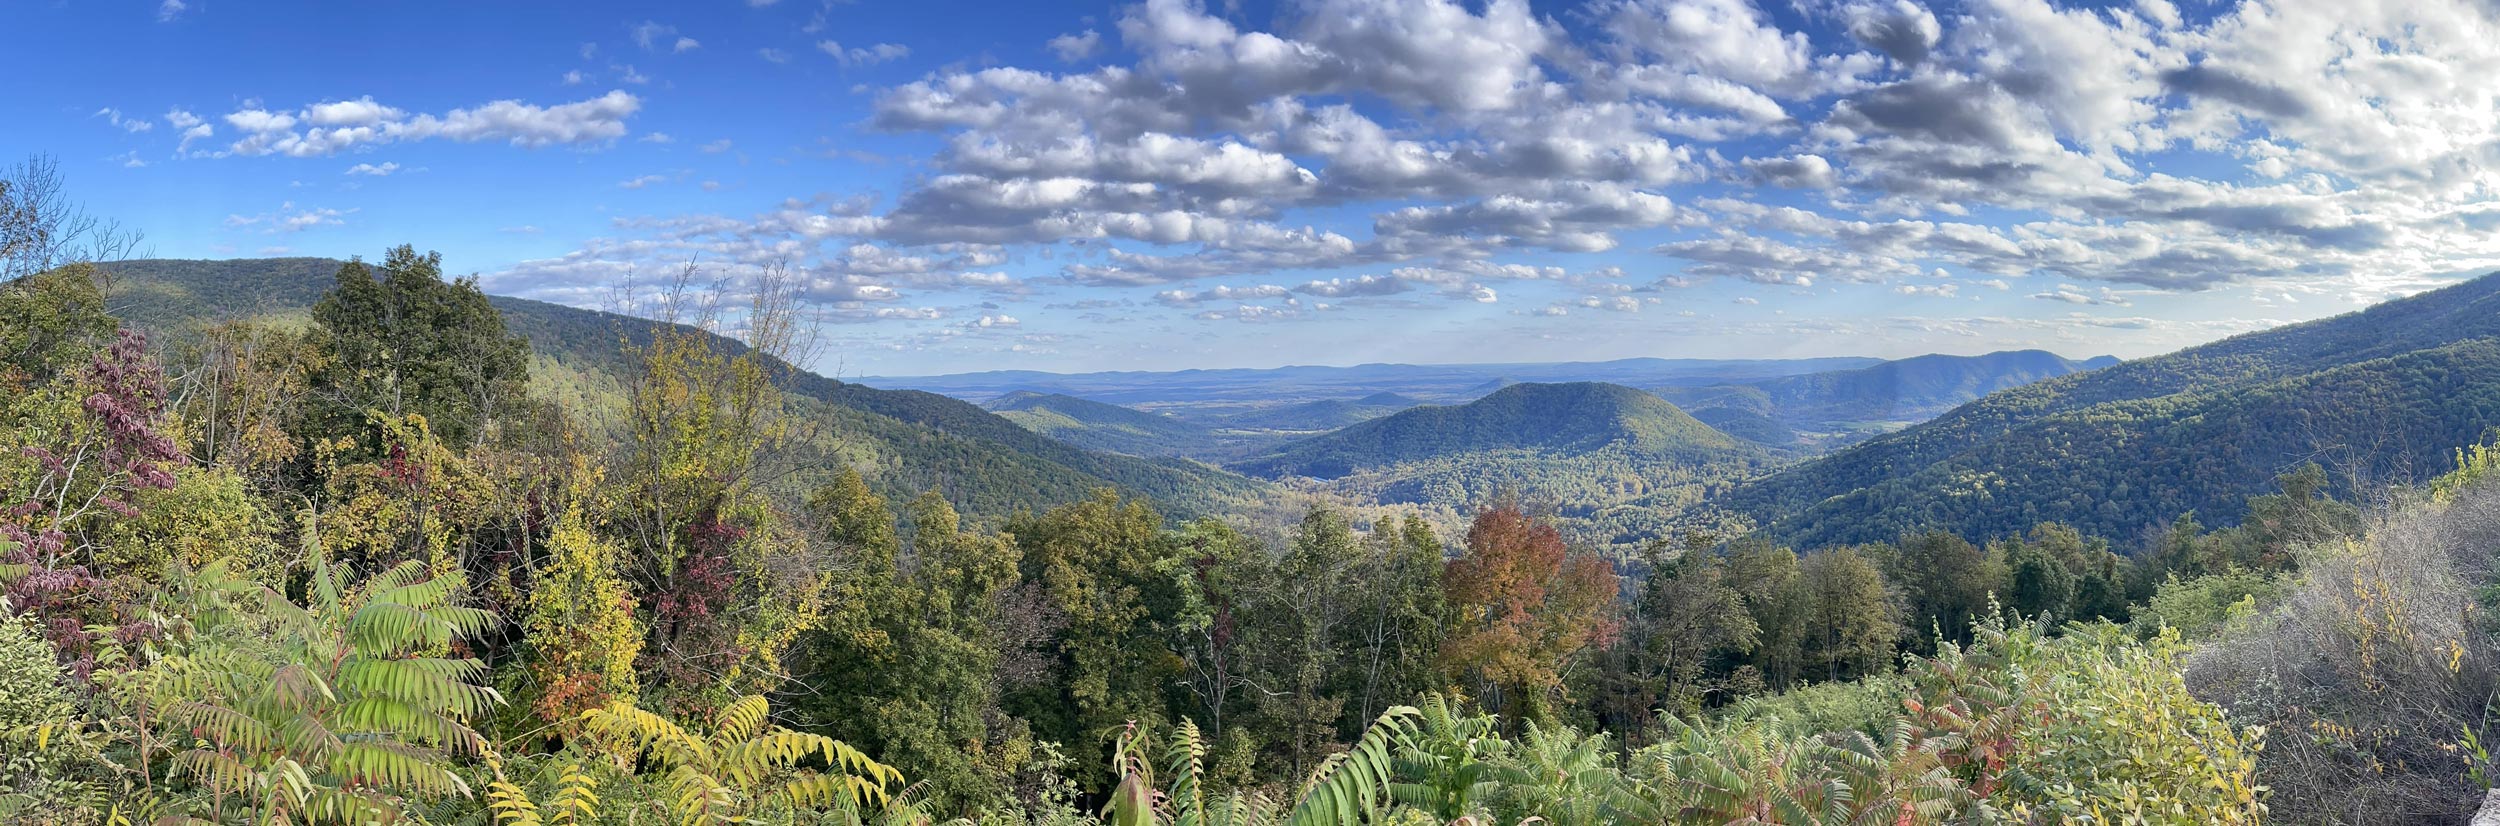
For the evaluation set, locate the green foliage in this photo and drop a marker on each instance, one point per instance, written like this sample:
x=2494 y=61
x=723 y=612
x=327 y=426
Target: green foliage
x=1094 y=425
x=1097 y=565
x=2385 y=392
x=333 y=711
x=410 y=342
x=33 y=704
x=49 y=322
x=743 y=766
x=1595 y=447
x=2201 y=607
x=905 y=663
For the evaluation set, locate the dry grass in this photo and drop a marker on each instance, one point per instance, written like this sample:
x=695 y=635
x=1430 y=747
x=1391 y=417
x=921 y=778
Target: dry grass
x=2370 y=672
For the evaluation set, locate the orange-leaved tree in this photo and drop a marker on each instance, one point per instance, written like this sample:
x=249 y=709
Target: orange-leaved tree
x=1524 y=607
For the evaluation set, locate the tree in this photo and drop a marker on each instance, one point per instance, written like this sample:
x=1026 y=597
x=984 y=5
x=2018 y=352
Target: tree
x=1852 y=620
x=1947 y=583
x=1216 y=574
x=2038 y=583
x=727 y=583
x=1305 y=609
x=906 y=660
x=49 y=322
x=411 y=342
x=1765 y=575
x=1524 y=608
x=581 y=625
x=1683 y=619
x=41 y=229
x=1398 y=623
x=1100 y=565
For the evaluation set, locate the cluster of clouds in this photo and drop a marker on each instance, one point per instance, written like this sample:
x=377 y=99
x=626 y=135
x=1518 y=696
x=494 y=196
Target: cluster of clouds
x=1939 y=149
x=1416 y=153
x=332 y=127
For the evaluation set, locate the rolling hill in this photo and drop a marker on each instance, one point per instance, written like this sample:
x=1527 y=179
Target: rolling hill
x=1607 y=459
x=1843 y=405
x=1234 y=389
x=904 y=441
x=1324 y=414
x=1094 y=425
x=2382 y=395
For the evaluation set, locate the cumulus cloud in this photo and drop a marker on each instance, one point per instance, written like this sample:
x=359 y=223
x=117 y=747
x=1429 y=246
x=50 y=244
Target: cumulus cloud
x=1074 y=47
x=331 y=127
x=375 y=170
x=1386 y=152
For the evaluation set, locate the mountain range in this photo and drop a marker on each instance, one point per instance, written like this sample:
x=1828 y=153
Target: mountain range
x=2379 y=396
x=903 y=441
x=1839 y=406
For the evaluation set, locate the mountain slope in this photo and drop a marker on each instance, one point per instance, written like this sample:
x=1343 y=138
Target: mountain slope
x=2379 y=395
x=1848 y=402
x=1094 y=425
x=1609 y=461
x=1564 y=419
x=1325 y=414
x=904 y=441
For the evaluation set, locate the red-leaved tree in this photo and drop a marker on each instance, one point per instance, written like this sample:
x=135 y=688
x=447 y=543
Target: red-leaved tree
x=1524 y=609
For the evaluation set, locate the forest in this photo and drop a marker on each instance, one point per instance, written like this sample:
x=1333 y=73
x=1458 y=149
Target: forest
x=386 y=563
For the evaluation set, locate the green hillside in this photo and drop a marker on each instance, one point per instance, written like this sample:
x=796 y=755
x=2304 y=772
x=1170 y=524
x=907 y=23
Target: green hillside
x=1562 y=419
x=905 y=441
x=2381 y=395
x=1590 y=451
x=1839 y=406
x=1094 y=425
x=1324 y=414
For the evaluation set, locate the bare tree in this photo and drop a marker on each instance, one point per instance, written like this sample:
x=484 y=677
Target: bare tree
x=41 y=229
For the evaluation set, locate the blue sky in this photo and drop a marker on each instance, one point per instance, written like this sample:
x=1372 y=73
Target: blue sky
x=1168 y=184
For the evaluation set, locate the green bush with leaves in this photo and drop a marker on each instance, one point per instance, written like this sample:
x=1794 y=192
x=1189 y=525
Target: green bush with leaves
x=335 y=711
x=744 y=766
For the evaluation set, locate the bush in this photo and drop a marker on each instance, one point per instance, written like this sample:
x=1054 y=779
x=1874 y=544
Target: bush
x=2207 y=605
x=31 y=700
x=2373 y=668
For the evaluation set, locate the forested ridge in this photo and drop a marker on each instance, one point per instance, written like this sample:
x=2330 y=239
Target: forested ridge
x=904 y=441
x=1843 y=405
x=2383 y=395
x=418 y=555
x=1108 y=427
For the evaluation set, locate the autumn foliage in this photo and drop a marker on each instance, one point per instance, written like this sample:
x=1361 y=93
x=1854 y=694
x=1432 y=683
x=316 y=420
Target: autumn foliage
x=1523 y=606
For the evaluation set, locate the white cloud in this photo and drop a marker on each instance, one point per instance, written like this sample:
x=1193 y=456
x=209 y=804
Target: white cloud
x=685 y=44
x=646 y=180
x=170 y=9
x=385 y=168
x=651 y=34
x=1074 y=47
x=134 y=125
x=865 y=55
x=1398 y=151
x=288 y=219
x=339 y=126
x=716 y=147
